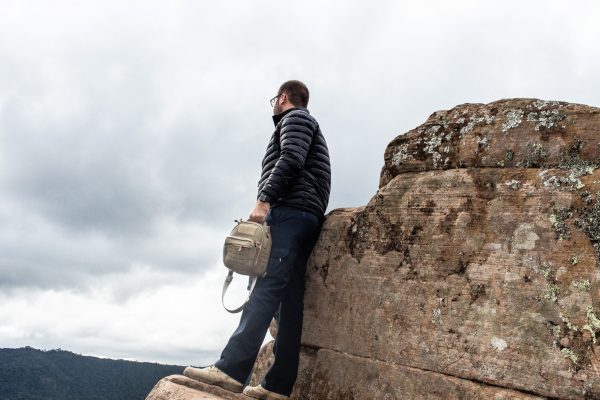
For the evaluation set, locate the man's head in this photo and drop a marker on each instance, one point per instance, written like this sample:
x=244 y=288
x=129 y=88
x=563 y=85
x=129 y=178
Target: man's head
x=291 y=94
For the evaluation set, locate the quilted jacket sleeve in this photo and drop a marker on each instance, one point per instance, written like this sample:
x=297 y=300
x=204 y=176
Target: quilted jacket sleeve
x=296 y=134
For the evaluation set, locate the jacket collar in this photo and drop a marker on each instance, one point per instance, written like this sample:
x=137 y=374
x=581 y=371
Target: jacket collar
x=278 y=117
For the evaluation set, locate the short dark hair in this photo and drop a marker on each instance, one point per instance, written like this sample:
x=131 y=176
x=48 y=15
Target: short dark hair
x=296 y=91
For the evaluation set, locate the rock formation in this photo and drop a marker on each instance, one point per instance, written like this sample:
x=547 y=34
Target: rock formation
x=474 y=270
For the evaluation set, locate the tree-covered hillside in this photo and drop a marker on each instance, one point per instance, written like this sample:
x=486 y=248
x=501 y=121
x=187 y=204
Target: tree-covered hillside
x=31 y=374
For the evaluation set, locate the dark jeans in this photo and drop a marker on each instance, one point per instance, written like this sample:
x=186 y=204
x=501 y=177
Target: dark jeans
x=294 y=233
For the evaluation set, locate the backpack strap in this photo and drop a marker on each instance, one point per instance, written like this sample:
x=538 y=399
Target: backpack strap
x=250 y=287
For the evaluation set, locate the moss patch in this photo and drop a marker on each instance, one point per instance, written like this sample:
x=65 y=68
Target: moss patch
x=589 y=222
x=574 y=259
x=568 y=353
x=593 y=323
x=582 y=284
x=535 y=155
x=557 y=219
x=546 y=119
x=552 y=292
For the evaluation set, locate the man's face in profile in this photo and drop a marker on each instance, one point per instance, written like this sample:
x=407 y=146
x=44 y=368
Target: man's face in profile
x=277 y=106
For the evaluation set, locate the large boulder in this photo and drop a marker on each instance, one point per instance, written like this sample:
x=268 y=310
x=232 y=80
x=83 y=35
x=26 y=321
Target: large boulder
x=477 y=259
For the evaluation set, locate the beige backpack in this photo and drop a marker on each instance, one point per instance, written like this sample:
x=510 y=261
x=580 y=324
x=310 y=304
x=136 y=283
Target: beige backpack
x=246 y=251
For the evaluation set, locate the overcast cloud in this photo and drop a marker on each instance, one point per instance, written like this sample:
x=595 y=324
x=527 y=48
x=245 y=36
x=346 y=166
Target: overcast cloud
x=131 y=135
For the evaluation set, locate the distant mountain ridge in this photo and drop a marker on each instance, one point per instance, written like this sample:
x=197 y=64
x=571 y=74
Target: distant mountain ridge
x=31 y=374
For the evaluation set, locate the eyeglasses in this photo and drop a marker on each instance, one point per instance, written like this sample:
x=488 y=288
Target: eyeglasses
x=272 y=101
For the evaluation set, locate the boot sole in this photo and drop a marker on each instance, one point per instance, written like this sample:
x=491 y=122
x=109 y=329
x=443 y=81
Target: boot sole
x=263 y=396
x=232 y=387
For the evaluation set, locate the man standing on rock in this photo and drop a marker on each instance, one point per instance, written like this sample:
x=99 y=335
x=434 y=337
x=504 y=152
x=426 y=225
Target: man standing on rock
x=293 y=193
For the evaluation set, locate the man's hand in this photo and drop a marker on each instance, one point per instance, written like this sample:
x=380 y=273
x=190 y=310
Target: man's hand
x=259 y=212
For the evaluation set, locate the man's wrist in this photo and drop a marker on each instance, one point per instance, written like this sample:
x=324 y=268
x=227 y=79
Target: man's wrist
x=264 y=198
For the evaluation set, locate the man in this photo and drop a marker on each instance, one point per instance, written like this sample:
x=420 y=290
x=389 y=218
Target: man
x=293 y=193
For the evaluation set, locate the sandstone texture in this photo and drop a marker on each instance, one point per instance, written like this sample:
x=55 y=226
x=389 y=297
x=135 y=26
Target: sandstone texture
x=472 y=273
x=477 y=258
x=343 y=376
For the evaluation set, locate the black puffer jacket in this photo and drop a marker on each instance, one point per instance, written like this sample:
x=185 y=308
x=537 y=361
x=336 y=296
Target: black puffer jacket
x=296 y=170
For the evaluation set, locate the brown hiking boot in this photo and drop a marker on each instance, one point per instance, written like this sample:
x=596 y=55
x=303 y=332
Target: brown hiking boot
x=214 y=376
x=259 y=392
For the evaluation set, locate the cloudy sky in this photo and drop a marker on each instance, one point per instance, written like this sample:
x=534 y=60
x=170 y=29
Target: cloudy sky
x=131 y=135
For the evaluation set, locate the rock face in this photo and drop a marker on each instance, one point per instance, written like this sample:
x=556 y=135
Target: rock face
x=474 y=270
x=476 y=259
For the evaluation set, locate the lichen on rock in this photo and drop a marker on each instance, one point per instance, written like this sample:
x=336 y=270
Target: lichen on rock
x=557 y=219
x=568 y=353
x=593 y=323
x=475 y=119
x=545 y=119
x=582 y=284
x=402 y=155
x=498 y=343
x=514 y=116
